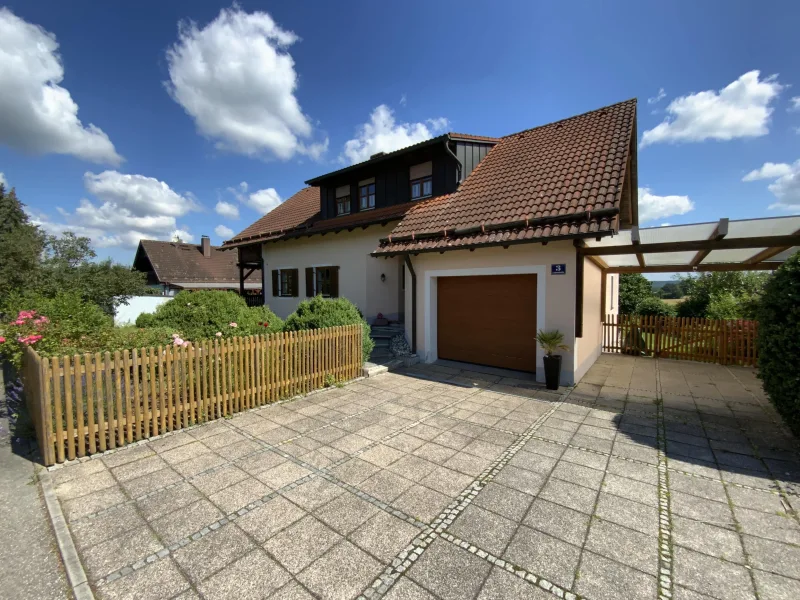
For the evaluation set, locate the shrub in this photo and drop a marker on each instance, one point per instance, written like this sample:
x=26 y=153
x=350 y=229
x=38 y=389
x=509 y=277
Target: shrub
x=656 y=307
x=779 y=341
x=200 y=315
x=322 y=312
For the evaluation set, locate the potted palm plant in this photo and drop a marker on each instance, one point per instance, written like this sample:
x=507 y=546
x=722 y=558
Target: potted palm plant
x=551 y=342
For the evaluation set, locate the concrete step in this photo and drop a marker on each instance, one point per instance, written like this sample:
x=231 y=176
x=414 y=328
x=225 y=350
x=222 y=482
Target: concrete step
x=381 y=342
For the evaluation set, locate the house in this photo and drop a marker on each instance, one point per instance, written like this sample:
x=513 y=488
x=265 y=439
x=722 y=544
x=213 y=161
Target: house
x=175 y=266
x=473 y=242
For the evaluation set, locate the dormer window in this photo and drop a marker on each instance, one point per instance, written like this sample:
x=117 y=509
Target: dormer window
x=366 y=194
x=421 y=180
x=343 y=200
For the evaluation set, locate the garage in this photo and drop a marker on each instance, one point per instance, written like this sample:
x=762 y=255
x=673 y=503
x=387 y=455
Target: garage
x=488 y=320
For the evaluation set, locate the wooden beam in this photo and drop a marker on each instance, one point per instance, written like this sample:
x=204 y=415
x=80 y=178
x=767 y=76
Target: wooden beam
x=726 y=244
x=636 y=241
x=701 y=268
x=598 y=261
x=768 y=253
x=720 y=231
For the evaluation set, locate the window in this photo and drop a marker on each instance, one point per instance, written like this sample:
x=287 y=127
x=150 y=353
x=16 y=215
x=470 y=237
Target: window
x=343 y=200
x=421 y=188
x=284 y=282
x=322 y=281
x=421 y=180
x=343 y=206
x=366 y=194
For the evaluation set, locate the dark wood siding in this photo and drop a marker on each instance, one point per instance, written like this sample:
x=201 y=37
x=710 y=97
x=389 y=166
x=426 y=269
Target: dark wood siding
x=470 y=154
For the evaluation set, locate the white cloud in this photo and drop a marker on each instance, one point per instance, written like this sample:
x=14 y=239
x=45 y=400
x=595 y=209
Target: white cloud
x=658 y=97
x=3 y=179
x=653 y=207
x=181 y=235
x=403 y=100
x=237 y=80
x=227 y=209
x=786 y=184
x=383 y=134
x=261 y=201
x=740 y=109
x=128 y=208
x=768 y=171
x=223 y=232
x=37 y=115
x=795 y=104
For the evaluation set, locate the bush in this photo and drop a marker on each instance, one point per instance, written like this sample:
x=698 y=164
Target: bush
x=200 y=315
x=779 y=341
x=322 y=312
x=655 y=307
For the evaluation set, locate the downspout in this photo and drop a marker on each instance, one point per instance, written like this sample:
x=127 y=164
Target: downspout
x=458 y=162
x=413 y=304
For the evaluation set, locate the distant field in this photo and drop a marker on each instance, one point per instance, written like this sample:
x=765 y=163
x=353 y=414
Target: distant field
x=673 y=300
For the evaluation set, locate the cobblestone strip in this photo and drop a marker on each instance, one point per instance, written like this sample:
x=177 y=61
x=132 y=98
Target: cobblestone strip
x=408 y=556
x=200 y=533
x=266 y=447
x=665 y=557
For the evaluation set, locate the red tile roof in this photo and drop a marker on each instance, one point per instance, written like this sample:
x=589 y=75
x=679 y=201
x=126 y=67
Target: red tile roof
x=301 y=208
x=175 y=262
x=558 y=180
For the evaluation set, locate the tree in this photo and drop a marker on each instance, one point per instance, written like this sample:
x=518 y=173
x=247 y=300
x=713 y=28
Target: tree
x=656 y=307
x=21 y=245
x=672 y=290
x=779 y=341
x=733 y=293
x=633 y=289
x=67 y=266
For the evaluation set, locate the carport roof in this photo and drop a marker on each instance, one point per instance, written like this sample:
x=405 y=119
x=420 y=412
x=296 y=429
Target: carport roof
x=740 y=245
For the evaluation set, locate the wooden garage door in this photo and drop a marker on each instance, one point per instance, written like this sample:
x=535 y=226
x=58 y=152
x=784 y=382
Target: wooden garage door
x=488 y=320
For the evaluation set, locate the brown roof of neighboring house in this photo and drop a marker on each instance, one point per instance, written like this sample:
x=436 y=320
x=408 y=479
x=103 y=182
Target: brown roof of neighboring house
x=557 y=180
x=175 y=262
x=476 y=138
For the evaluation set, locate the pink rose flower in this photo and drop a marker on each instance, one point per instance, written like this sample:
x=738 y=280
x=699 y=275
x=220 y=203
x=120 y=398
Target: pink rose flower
x=2 y=340
x=234 y=325
x=178 y=341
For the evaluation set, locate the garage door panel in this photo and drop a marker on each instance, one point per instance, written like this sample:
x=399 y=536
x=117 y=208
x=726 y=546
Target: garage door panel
x=488 y=320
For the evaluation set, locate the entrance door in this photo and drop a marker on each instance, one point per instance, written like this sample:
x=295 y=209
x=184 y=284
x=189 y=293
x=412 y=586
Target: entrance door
x=488 y=320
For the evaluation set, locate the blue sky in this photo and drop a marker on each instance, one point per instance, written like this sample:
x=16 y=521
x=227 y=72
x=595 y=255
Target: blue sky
x=119 y=120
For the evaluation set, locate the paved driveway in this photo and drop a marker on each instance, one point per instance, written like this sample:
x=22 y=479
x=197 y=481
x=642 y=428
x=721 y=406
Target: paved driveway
x=438 y=483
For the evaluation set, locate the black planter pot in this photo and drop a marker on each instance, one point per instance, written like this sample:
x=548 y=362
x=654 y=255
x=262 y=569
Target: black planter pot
x=552 y=371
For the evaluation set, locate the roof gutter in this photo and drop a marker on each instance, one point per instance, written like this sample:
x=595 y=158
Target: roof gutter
x=578 y=216
x=458 y=162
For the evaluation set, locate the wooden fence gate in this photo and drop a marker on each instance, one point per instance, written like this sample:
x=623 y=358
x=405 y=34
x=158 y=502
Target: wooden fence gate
x=89 y=403
x=727 y=342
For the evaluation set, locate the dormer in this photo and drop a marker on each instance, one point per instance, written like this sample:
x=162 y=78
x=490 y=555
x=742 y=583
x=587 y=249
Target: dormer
x=431 y=168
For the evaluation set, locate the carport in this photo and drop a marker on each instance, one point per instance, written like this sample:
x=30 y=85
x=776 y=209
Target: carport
x=725 y=245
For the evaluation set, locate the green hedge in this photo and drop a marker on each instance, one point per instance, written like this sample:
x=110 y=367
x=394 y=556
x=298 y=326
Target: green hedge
x=779 y=341
x=655 y=307
x=201 y=315
x=322 y=312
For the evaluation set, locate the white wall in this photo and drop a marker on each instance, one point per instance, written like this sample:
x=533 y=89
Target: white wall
x=556 y=293
x=359 y=273
x=126 y=313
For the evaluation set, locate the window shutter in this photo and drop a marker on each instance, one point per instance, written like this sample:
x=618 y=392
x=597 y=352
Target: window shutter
x=274 y=282
x=295 y=283
x=334 y=282
x=309 y=282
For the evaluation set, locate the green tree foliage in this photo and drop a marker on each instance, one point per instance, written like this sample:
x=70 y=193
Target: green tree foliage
x=329 y=312
x=68 y=264
x=21 y=245
x=653 y=306
x=200 y=315
x=734 y=294
x=672 y=290
x=633 y=289
x=779 y=341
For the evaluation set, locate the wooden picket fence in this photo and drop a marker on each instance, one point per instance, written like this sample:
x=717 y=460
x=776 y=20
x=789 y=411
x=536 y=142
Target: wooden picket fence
x=727 y=342
x=84 y=404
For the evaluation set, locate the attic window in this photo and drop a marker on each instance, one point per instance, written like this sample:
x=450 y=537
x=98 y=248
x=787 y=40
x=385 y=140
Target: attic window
x=421 y=180
x=343 y=200
x=366 y=194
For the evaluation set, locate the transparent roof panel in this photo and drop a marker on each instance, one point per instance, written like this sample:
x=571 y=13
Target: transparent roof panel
x=677 y=233
x=621 y=260
x=761 y=227
x=668 y=258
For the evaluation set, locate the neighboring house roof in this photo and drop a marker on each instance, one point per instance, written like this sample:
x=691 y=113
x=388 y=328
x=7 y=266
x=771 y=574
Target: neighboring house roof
x=175 y=262
x=563 y=179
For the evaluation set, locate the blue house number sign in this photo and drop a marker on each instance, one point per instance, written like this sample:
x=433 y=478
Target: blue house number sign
x=558 y=269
